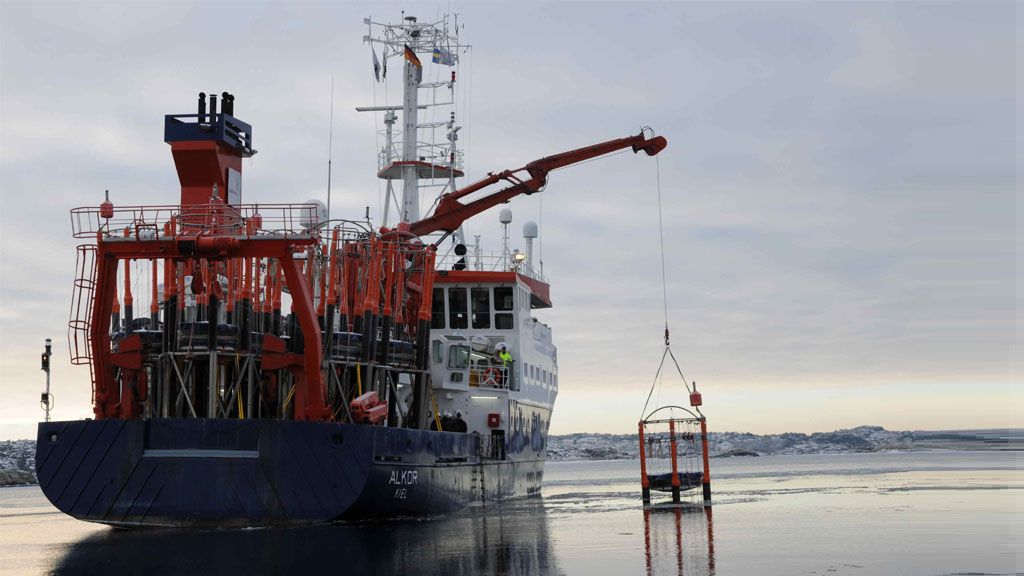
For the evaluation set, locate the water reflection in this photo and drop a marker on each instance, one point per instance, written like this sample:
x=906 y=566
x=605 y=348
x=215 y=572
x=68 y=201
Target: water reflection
x=684 y=533
x=508 y=539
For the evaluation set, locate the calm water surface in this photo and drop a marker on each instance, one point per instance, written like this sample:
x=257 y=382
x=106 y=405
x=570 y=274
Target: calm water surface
x=899 y=513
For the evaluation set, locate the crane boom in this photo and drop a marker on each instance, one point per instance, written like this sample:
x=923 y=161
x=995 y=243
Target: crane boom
x=450 y=213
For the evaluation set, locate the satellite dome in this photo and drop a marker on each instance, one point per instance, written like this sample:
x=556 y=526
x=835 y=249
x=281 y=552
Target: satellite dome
x=505 y=216
x=314 y=218
x=530 y=230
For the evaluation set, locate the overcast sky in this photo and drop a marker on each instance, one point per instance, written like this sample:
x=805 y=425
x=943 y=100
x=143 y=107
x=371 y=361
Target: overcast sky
x=840 y=187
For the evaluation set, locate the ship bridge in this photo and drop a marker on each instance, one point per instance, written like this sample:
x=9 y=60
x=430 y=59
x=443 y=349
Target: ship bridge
x=478 y=309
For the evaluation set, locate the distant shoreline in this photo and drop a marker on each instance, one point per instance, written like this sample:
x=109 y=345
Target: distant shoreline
x=583 y=446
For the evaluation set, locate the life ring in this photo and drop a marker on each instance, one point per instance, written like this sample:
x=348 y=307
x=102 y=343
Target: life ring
x=491 y=377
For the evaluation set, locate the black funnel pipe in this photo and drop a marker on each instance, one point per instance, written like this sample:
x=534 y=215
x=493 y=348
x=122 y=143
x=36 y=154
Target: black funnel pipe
x=202 y=107
x=227 y=104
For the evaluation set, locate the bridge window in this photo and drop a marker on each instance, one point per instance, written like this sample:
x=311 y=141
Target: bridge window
x=436 y=352
x=503 y=320
x=504 y=302
x=481 y=303
x=458 y=315
x=503 y=298
x=458 y=357
x=437 y=309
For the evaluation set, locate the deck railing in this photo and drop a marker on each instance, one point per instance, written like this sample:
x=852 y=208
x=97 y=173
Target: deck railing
x=488 y=261
x=151 y=222
x=497 y=377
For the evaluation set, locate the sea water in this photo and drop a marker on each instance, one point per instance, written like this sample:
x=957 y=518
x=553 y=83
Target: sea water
x=940 y=512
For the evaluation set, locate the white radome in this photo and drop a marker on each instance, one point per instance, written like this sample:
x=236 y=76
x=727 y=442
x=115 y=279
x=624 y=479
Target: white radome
x=321 y=215
x=530 y=229
x=505 y=217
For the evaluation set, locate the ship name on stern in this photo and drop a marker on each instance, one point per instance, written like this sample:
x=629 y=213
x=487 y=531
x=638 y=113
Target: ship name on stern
x=402 y=478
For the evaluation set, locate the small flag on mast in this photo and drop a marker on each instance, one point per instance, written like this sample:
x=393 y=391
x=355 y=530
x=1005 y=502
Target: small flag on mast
x=376 y=64
x=442 y=56
x=411 y=57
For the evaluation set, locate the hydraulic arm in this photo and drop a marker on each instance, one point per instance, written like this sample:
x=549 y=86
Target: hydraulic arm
x=451 y=213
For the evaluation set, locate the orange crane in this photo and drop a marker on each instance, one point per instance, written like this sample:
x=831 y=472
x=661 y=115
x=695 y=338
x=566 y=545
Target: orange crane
x=450 y=213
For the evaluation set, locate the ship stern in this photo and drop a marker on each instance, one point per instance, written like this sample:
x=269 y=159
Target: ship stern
x=202 y=472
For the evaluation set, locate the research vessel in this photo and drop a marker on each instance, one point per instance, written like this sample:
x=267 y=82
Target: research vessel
x=265 y=364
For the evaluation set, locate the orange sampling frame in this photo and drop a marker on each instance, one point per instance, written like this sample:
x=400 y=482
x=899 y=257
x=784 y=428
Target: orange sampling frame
x=674 y=455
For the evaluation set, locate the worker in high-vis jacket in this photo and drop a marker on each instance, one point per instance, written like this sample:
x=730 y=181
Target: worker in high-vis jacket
x=506 y=360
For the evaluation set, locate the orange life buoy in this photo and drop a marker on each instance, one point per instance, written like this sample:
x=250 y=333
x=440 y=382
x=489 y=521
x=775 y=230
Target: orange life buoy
x=491 y=376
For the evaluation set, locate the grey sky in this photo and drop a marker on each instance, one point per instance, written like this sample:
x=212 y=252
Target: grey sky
x=840 y=193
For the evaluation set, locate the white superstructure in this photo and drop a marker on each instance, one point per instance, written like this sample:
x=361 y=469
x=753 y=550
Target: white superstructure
x=482 y=303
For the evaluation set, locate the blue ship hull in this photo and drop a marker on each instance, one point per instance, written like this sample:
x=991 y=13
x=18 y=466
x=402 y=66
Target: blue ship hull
x=224 y=473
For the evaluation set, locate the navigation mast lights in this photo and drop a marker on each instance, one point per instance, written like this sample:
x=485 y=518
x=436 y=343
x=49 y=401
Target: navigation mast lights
x=421 y=159
x=46 y=399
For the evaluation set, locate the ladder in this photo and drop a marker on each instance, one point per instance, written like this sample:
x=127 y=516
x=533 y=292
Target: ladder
x=80 y=316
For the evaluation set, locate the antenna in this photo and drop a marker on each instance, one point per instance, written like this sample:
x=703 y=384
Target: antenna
x=414 y=159
x=330 y=150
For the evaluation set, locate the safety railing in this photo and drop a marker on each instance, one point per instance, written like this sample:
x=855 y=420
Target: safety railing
x=434 y=154
x=302 y=221
x=488 y=261
x=499 y=377
x=218 y=127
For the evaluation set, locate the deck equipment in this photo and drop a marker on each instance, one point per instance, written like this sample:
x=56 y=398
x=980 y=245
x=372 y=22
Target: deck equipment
x=682 y=441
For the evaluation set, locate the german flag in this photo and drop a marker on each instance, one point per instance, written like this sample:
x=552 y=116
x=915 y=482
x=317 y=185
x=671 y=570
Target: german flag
x=411 y=57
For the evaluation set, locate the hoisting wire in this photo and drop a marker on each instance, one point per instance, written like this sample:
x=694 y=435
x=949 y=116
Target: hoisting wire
x=540 y=241
x=664 y=297
x=661 y=241
x=656 y=375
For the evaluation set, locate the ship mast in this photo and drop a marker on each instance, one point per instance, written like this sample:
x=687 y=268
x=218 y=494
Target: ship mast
x=417 y=162
x=413 y=75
